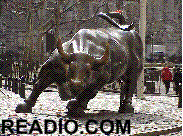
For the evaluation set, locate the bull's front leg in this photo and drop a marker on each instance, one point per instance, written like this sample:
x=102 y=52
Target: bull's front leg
x=77 y=107
x=40 y=85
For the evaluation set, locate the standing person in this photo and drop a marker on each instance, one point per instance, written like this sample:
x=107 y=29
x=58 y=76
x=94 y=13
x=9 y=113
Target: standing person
x=31 y=68
x=37 y=65
x=166 y=76
x=35 y=79
x=177 y=79
x=27 y=76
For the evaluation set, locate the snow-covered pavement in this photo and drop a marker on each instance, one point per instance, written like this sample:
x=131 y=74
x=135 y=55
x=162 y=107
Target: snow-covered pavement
x=157 y=115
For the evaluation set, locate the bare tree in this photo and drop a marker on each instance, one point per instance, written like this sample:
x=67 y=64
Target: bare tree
x=31 y=8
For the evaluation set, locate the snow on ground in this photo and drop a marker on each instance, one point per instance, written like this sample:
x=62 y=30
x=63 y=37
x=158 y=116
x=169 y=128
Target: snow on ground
x=156 y=113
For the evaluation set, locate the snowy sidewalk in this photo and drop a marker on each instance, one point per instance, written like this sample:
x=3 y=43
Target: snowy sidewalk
x=157 y=115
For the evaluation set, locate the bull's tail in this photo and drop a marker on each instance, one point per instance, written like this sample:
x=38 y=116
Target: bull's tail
x=114 y=23
x=108 y=19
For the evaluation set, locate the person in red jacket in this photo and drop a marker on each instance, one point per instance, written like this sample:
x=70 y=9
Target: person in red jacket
x=166 y=76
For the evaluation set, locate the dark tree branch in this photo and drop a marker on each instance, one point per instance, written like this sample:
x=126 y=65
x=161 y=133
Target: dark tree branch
x=51 y=21
x=69 y=8
x=84 y=20
x=75 y=20
x=67 y=4
x=89 y=18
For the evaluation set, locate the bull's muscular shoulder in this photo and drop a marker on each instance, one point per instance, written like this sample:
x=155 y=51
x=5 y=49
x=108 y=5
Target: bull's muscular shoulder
x=87 y=41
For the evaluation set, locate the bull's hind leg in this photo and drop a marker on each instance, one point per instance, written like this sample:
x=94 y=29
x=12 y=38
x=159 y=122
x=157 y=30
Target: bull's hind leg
x=40 y=85
x=127 y=90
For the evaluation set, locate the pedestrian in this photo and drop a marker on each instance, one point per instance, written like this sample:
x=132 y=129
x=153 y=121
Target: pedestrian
x=180 y=97
x=177 y=79
x=30 y=69
x=27 y=77
x=166 y=76
x=22 y=78
x=35 y=79
x=37 y=65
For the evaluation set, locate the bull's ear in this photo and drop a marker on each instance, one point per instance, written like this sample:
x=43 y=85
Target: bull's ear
x=104 y=59
x=65 y=56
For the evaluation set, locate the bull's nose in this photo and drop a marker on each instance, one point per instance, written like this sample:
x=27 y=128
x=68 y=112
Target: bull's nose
x=78 y=83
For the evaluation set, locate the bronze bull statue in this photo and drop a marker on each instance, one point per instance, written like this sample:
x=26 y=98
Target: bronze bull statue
x=90 y=60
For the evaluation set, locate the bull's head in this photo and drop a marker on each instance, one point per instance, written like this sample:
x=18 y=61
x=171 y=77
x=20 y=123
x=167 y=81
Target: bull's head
x=84 y=70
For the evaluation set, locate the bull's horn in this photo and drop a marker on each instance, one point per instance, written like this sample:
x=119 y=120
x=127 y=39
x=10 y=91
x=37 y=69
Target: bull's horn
x=64 y=55
x=105 y=57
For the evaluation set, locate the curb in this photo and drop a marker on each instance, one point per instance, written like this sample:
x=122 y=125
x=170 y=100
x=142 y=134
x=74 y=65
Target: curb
x=162 y=132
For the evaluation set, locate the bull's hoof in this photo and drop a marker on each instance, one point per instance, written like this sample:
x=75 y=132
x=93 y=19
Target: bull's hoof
x=72 y=104
x=126 y=108
x=23 y=108
x=77 y=112
x=75 y=109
